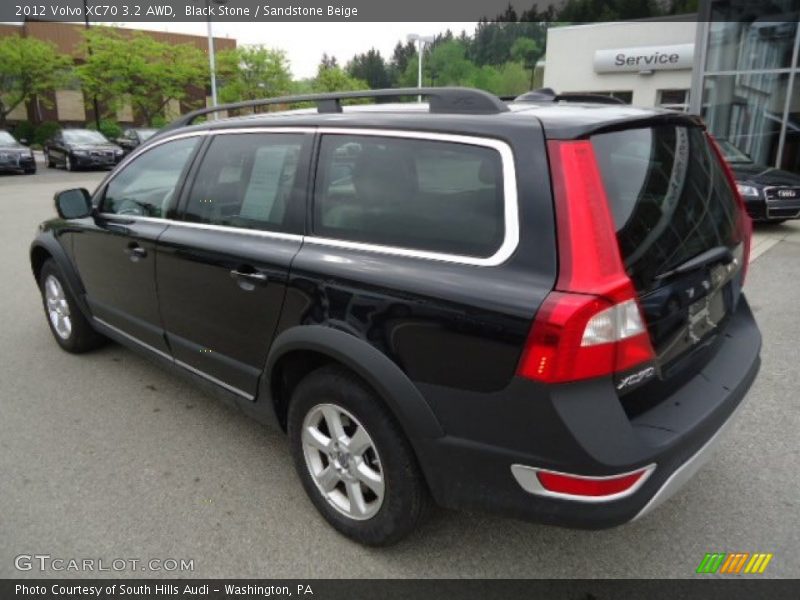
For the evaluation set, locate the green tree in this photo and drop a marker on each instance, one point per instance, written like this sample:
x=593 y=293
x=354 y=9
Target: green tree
x=336 y=79
x=447 y=64
x=253 y=72
x=401 y=57
x=328 y=62
x=141 y=70
x=28 y=68
x=370 y=67
x=526 y=52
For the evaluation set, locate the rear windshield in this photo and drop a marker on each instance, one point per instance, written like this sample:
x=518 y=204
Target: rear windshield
x=669 y=196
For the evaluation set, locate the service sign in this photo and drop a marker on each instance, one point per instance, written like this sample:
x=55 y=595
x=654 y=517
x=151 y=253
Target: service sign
x=644 y=58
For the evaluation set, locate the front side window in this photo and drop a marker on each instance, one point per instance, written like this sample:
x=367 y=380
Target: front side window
x=146 y=186
x=246 y=180
x=411 y=193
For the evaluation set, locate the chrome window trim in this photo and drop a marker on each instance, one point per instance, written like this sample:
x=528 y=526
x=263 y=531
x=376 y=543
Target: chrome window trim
x=527 y=479
x=277 y=235
x=510 y=198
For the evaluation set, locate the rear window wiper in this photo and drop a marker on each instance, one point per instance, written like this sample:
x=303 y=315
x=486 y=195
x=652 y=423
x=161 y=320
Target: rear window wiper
x=717 y=254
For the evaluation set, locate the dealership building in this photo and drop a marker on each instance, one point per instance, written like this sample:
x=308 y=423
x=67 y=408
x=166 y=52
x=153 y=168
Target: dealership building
x=739 y=71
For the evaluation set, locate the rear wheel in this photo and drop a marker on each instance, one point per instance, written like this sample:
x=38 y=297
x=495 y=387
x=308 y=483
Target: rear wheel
x=353 y=460
x=48 y=162
x=70 y=328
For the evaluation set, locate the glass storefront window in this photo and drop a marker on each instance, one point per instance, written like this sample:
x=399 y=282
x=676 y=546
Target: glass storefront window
x=747 y=110
x=747 y=46
x=791 y=145
x=673 y=99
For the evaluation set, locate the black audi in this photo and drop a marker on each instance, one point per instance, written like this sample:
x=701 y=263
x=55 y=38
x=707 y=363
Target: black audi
x=770 y=195
x=14 y=156
x=81 y=149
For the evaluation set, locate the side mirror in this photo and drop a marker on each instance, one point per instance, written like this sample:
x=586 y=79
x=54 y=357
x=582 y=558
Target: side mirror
x=24 y=142
x=73 y=204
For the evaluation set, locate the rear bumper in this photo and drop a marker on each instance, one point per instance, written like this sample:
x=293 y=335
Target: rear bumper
x=583 y=429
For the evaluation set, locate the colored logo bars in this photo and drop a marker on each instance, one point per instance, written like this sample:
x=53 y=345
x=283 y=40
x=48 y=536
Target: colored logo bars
x=734 y=563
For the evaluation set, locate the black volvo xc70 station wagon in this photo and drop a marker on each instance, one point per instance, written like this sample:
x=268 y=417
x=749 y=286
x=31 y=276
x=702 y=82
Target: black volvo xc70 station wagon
x=533 y=307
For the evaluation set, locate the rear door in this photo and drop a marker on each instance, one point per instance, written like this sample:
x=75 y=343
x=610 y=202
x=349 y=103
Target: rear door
x=680 y=235
x=223 y=269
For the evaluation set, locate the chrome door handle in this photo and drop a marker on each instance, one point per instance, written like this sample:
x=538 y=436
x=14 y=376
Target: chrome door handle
x=135 y=252
x=255 y=276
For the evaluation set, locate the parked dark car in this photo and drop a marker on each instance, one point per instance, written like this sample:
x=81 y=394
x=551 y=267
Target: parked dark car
x=133 y=138
x=770 y=194
x=81 y=149
x=531 y=307
x=15 y=156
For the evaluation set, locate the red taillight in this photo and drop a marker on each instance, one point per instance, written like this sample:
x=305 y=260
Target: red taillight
x=591 y=487
x=744 y=223
x=591 y=324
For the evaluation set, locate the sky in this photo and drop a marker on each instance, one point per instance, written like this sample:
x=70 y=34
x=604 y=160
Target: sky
x=305 y=43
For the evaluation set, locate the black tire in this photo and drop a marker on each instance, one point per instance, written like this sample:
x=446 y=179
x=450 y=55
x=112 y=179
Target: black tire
x=82 y=337
x=48 y=162
x=68 y=165
x=405 y=498
x=30 y=171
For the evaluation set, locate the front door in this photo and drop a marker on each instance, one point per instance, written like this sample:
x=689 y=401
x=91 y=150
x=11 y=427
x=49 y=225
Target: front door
x=223 y=268
x=116 y=251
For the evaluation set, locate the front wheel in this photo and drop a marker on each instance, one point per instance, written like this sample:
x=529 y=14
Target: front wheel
x=355 y=463
x=70 y=328
x=68 y=164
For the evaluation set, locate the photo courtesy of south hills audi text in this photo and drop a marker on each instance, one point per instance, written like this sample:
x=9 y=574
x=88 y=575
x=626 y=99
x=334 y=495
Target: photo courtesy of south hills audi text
x=159 y=590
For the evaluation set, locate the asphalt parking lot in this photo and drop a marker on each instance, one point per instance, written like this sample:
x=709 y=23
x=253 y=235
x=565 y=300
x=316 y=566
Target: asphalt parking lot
x=107 y=456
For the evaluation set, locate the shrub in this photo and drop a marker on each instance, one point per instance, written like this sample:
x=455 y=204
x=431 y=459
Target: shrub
x=110 y=129
x=44 y=131
x=24 y=131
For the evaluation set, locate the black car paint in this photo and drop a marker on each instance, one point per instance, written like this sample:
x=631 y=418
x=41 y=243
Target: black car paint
x=16 y=158
x=132 y=139
x=57 y=149
x=763 y=178
x=440 y=341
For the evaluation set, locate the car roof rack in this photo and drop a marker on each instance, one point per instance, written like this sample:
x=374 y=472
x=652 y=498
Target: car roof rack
x=549 y=95
x=445 y=100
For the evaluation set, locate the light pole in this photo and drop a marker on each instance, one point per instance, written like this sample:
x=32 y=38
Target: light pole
x=212 y=62
x=95 y=104
x=421 y=41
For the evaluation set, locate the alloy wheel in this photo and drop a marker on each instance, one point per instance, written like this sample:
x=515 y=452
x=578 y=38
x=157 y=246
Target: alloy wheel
x=57 y=307
x=343 y=461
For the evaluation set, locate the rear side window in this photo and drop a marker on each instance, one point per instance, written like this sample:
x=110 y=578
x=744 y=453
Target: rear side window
x=246 y=180
x=669 y=196
x=417 y=194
